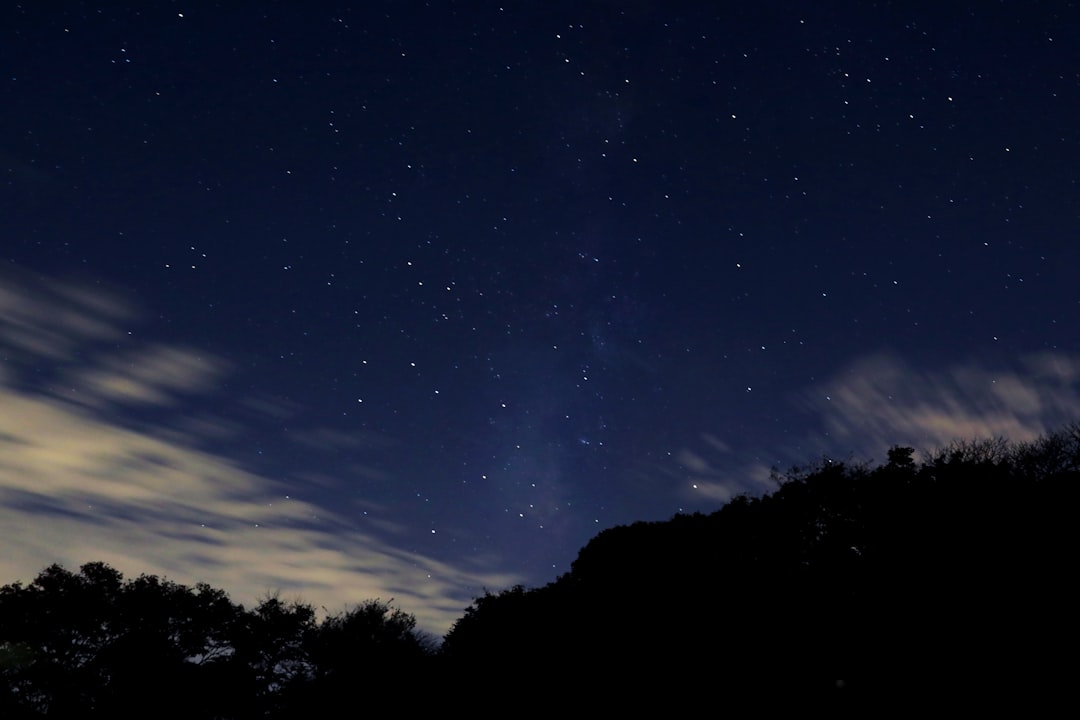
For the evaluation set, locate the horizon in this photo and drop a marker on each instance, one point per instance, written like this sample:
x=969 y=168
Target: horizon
x=411 y=302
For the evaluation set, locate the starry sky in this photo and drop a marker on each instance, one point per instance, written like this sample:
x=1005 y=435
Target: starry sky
x=408 y=300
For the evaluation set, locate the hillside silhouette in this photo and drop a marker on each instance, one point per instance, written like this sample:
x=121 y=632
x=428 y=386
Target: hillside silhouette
x=949 y=576
x=945 y=576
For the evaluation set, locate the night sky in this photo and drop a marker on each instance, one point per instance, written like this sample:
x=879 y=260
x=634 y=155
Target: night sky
x=408 y=300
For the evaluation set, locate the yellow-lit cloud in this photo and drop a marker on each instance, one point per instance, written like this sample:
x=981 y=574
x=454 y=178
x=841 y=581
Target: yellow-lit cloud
x=149 y=376
x=879 y=401
x=49 y=320
x=77 y=485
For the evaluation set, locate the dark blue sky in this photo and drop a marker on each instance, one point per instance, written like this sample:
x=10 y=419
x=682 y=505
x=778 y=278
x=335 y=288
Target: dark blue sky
x=410 y=299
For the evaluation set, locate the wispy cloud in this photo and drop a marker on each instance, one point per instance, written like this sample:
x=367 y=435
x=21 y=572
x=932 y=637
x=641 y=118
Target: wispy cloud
x=78 y=484
x=879 y=401
x=149 y=376
x=41 y=319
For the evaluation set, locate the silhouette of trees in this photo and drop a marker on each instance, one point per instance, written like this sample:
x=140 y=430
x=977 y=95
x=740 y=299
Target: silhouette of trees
x=84 y=644
x=270 y=659
x=885 y=579
x=503 y=626
x=89 y=644
x=846 y=572
x=371 y=640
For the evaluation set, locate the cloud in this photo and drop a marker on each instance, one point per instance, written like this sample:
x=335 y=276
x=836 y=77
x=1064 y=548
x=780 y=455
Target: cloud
x=80 y=484
x=42 y=319
x=150 y=376
x=713 y=474
x=879 y=401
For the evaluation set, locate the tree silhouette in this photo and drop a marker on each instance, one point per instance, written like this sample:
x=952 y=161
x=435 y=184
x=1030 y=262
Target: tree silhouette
x=372 y=645
x=846 y=576
x=949 y=575
x=88 y=644
x=270 y=651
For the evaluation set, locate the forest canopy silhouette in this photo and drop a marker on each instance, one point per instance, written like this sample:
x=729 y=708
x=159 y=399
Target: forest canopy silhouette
x=847 y=577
